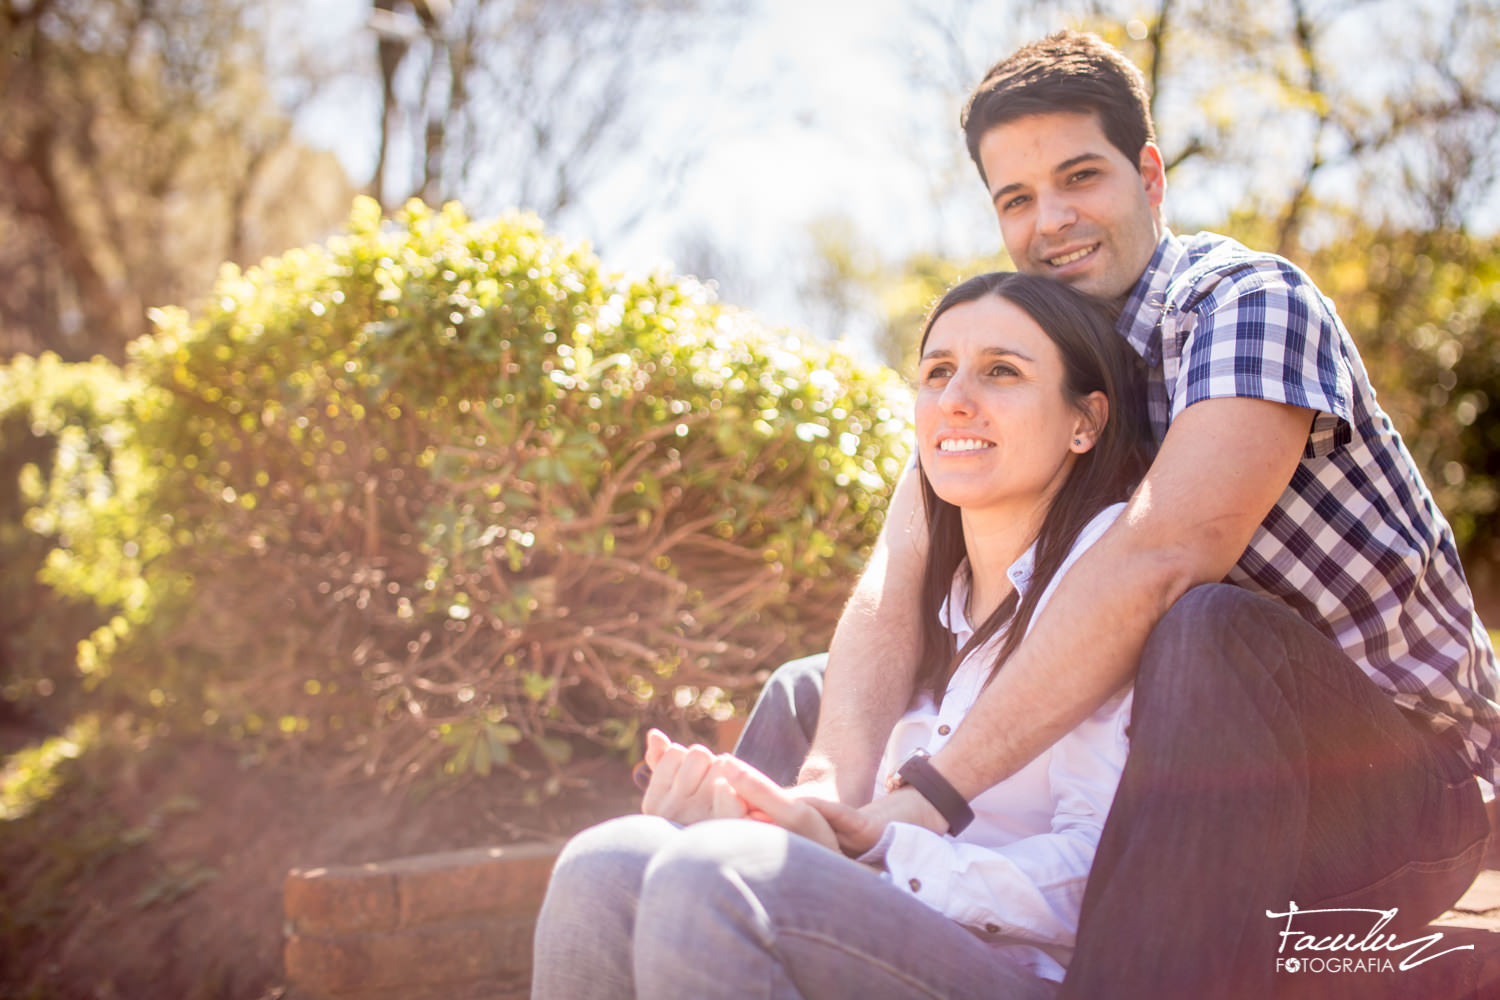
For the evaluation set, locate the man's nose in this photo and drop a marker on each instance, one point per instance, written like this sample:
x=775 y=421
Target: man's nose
x=1054 y=214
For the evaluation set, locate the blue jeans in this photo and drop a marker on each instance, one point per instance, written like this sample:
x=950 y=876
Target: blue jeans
x=641 y=907
x=779 y=732
x=1265 y=768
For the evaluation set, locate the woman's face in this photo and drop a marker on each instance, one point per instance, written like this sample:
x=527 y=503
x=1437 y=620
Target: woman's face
x=995 y=429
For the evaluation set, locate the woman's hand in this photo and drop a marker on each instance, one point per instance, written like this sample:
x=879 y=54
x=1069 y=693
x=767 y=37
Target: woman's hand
x=682 y=782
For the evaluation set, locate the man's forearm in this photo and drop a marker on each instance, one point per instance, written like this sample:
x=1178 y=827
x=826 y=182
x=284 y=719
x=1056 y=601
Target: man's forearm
x=872 y=661
x=871 y=666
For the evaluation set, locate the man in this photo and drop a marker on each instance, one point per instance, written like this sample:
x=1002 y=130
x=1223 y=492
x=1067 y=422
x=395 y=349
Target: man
x=1309 y=733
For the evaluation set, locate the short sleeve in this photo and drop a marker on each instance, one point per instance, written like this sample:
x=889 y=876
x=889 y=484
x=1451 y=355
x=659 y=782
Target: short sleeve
x=1264 y=331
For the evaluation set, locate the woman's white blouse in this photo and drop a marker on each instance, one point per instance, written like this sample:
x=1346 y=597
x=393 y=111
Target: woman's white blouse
x=1016 y=874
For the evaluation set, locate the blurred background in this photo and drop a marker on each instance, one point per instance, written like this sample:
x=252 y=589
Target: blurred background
x=797 y=161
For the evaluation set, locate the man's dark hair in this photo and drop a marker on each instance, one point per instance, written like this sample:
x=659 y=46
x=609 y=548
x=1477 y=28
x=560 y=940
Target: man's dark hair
x=1068 y=71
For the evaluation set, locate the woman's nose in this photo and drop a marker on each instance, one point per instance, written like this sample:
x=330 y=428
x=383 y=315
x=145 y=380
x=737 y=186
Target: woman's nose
x=957 y=398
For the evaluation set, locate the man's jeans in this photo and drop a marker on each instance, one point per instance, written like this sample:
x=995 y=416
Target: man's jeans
x=1265 y=769
x=641 y=907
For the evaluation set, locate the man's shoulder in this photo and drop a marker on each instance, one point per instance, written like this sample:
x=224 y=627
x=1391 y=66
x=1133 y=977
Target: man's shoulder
x=1215 y=269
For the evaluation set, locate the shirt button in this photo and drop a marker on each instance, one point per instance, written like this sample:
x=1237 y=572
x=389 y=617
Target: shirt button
x=992 y=928
x=916 y=885
x=944 y=729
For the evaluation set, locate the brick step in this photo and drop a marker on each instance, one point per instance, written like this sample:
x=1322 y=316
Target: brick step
x=458 y=926
x=452 y=925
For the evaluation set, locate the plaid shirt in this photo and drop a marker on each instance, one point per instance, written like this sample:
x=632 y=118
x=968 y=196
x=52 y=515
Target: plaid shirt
x=1356 y=544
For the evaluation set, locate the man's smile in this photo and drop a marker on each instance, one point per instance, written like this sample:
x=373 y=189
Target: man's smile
x=1062 y=260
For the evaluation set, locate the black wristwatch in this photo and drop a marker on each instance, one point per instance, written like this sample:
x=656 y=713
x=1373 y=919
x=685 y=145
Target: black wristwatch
x=918 y=772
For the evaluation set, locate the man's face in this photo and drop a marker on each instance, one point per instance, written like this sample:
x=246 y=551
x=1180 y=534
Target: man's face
x=1071 y=205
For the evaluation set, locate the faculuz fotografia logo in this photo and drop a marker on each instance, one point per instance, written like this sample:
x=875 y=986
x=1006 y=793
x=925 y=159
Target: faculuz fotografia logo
x=1366 y=947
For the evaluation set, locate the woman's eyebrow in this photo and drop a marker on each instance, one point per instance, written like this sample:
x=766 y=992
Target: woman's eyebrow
x=988 y=352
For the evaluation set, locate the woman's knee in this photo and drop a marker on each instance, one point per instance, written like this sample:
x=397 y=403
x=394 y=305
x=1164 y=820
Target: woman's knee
x=613 y=854
x=706 y=861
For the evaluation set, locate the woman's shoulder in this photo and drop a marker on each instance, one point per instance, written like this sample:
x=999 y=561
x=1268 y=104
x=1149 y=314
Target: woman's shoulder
x=1096 y=527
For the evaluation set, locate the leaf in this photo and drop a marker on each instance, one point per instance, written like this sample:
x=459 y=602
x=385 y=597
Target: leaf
x=554 y=748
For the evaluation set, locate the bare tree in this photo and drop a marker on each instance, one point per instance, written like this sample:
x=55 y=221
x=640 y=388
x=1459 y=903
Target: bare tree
x=526 y=103
x=1286 y=109
x=134 y=139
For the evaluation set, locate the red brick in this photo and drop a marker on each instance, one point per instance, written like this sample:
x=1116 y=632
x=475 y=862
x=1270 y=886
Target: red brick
x=341 y=899
x=436 y=887
x=496 y=950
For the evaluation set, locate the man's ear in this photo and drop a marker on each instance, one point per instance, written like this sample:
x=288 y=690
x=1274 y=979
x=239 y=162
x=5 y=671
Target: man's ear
x=1153 y=174
x=1093 y=414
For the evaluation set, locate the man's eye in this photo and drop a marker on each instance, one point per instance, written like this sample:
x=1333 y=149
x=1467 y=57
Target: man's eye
x=1083 y=175
x=1015 y=202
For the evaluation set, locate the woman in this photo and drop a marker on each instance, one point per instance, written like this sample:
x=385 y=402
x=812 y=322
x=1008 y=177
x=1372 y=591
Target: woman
x=1030 y=433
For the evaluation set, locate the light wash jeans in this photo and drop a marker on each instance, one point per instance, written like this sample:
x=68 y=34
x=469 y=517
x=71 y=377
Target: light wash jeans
x=641 y=907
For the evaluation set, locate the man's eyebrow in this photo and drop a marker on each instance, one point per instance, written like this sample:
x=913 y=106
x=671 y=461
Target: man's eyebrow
x=1062 y=167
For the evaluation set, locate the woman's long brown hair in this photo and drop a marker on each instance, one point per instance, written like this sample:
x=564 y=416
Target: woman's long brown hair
x=1095 y=359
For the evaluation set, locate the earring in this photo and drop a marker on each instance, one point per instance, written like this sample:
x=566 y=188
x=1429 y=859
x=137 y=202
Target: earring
x=1078 y=440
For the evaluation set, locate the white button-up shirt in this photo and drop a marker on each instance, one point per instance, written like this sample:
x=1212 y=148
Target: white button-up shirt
x=1016 y=874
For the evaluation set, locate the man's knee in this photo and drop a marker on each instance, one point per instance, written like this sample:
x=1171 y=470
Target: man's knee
x=799 y=683
x=780 y=729
x=1214 y=635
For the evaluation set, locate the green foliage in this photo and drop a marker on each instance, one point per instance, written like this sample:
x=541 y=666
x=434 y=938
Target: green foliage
x=444 y=494
x=33 y=775
x=63 y=429
x=1425 y=311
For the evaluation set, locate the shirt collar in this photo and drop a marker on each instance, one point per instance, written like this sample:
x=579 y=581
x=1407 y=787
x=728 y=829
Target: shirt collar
x=1140 y=320
x=953 y=615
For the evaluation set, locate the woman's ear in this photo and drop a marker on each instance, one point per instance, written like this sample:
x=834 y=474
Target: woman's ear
x=1093 y=414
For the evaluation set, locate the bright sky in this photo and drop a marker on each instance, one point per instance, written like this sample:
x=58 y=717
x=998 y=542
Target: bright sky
x=807 y=111
x=810 y=112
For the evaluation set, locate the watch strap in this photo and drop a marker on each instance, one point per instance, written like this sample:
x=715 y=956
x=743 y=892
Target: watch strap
x=918 y=772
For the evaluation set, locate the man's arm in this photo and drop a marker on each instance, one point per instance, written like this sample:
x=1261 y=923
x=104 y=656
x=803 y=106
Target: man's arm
x=872 y=661
x=1222 y=467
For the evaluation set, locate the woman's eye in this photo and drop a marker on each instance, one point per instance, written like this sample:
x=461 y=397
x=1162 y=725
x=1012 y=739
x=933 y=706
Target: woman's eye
x=937 y=373
x=1002 y=370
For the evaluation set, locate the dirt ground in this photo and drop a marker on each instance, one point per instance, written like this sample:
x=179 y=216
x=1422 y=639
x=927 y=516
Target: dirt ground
x=157 y=872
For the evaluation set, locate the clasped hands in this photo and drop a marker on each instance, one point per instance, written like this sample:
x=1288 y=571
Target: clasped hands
x=689 y=784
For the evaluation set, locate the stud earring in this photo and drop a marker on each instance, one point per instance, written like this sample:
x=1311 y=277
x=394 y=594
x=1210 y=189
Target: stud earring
x=1078 y=440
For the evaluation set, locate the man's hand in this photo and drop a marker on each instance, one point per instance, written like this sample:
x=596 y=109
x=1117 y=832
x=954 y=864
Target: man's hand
x=769 y=802
x=858 y=830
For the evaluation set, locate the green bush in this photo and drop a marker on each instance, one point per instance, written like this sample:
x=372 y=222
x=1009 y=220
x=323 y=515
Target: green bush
x=1425 y=310
x=61 y=430
x=443 y=494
